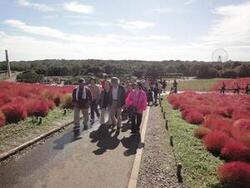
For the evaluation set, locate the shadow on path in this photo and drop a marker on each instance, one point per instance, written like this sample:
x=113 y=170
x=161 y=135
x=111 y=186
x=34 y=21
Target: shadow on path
x=132 y=143
x=66 y=139
x=106 y=139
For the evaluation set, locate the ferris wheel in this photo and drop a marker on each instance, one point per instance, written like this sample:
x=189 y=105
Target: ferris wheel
x=220 y=55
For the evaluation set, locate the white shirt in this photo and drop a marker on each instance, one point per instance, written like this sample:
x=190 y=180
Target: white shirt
x=115 y=93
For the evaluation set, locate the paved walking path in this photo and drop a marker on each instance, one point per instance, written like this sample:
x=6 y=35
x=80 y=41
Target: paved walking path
x=100 y=157
x=158 y=166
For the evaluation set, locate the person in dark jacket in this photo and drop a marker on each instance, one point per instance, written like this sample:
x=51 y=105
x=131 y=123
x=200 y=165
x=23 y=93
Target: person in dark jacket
x=105 y=102
x=95 y=93
x=81 y=97
x=223 y=88
x=236 y=88
x=118 y=96
x=247 y=89
x=164 y=86
x=175 y=84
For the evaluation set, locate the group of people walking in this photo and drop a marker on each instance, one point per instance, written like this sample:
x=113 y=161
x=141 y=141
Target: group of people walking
x=110 y=99
x=236 y=88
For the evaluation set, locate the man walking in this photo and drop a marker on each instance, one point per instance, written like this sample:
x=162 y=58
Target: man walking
x=118 y=101
x=81 y=97
x=95 y=93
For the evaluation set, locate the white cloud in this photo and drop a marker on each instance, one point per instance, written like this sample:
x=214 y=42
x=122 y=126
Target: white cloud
x=163 y=10
x=91 y=23
x=189 y=2
x=135 y=25
x=232 y=28
x=57 y=34
x=37 y=6
x=37 y=30
x=78 y=7
x=97 y=48
x=55 y=43
x=29 y=48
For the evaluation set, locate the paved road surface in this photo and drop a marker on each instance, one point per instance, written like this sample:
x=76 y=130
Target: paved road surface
x=100 y=157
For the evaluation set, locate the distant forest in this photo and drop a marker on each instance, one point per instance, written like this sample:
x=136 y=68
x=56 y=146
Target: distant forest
x=54 y=67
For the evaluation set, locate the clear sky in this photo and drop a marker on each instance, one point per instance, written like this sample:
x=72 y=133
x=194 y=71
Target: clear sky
x=124 y=29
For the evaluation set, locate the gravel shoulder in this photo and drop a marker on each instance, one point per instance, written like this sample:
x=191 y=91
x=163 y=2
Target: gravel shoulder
x=158 y=168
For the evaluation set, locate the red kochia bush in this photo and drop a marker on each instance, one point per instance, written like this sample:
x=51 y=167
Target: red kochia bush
x=41 y=108
x=241 y=131
x=236 y=174
x=235 y=151
x=2 y=119
x=242 y=124
x=240 y=114
x=50 y=104
x=219 y=123
x=215 y=141
x=201 y=132
x=194 y=117
x=57 y=100
x=38 y=107
x=4 y=99
x=14 y=112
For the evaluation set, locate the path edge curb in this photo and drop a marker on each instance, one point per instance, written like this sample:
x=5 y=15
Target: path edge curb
x=25 y=145
x=137 y=161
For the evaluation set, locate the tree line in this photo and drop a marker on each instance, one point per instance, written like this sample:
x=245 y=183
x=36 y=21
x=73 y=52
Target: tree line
x=199 y=69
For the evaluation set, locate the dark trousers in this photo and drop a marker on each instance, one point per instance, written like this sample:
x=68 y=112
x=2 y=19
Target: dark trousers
x=93 y=110
x=136 y=122
x=155 y=97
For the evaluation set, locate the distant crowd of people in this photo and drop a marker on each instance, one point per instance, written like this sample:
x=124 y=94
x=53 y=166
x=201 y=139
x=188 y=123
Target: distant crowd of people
x=236 y=88
x=115 y=99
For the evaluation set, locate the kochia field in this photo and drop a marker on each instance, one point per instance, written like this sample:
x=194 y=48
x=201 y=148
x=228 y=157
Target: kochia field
x=19 y=100
x=224 y=127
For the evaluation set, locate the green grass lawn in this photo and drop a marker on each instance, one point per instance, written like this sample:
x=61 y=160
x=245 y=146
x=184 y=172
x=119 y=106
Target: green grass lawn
x=198 y=164
x=13 y=135
x=197 y=84
x=2 y=76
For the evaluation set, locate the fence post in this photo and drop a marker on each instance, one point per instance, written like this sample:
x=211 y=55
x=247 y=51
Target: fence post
x=179 y=176
x=166 y=125
x=171 y=141
x=8 y=64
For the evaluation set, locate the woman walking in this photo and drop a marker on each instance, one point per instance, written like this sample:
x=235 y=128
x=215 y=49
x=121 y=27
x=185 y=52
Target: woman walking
x=136 y=103
x=95 y=93
x=105 y=102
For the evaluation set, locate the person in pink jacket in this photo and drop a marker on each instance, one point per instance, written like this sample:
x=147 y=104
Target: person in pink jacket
x=136 y=102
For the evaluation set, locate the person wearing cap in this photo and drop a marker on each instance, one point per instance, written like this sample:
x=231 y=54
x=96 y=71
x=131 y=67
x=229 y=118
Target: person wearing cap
x=117 y=102
x=81 y=98
x=136 y=103
x=95 y=93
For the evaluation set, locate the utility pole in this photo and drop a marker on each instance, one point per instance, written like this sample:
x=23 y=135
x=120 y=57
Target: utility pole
x=8 y=64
